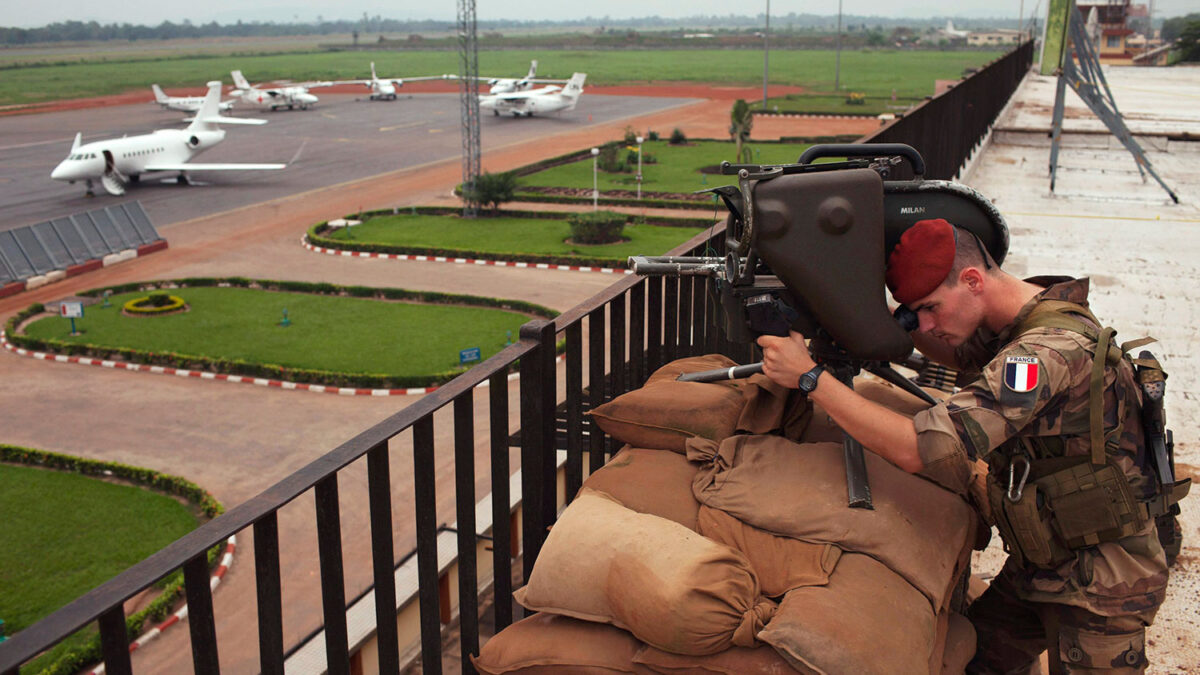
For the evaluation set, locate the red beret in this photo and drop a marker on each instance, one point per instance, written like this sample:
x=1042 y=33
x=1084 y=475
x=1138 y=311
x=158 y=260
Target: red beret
x=921 y=261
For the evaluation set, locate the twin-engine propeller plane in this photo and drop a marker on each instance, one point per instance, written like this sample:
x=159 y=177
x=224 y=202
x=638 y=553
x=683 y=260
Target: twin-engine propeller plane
x=116 y=161
x=385 y=89
x=505 y=85
x=183 y=103
x=290 y=96
x=544 y=100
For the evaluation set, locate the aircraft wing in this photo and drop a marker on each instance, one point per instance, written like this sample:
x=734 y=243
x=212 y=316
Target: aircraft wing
x=424 y=77
x=221 y=119
x=188 y=166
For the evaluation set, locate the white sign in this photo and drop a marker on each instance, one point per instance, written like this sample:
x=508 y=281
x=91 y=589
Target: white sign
x=70 y=310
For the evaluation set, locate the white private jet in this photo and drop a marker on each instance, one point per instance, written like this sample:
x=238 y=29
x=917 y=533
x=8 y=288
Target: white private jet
x=183 y=103
x=115 y=161
x=385 y=89
x=289 y=96
x=951 y=32
x=543 y=100
x=504 y=85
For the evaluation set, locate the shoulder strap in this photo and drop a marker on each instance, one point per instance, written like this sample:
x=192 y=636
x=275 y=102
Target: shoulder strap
x=1058 y=314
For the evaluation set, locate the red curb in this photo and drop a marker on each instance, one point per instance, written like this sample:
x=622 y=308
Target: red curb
x=12 y=289
x=86 y=266
x=154 y=247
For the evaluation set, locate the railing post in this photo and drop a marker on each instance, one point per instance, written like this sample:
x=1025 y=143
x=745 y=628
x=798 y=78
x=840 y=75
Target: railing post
x=200 y=614
x=114 y=641
x=270 y=604
x=333 y=584
x=532 y=415
x=502 y=553
x=425 y=498
x=574 y=408
x=464 y=498
x=379 y=493
x=596 y=385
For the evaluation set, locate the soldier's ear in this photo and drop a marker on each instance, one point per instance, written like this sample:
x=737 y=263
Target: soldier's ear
x=973 y=278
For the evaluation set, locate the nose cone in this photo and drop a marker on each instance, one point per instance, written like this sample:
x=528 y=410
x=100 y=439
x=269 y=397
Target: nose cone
x=307 y=98
x=62 y=171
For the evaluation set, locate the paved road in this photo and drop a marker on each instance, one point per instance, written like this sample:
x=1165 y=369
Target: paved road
x=343 y=139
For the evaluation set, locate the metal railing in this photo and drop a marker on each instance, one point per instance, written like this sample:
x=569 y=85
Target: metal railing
x=615 y=340
x=948 y=128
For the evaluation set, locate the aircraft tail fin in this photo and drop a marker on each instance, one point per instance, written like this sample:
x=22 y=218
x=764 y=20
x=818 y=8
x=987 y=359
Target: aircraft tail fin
x=159 y=96
x=210 y=108
x=573 y=89
x=374 y=77
x=78 y=142
x=532 y=69
x=239 y=80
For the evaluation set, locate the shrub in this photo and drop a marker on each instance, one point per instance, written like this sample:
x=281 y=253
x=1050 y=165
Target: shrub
x=158 y=302
x=856 y=98
x=495 y=188
x=652 y=135
x=677 y=137
x=609 y=160
x=630 y=135
x=596 y=227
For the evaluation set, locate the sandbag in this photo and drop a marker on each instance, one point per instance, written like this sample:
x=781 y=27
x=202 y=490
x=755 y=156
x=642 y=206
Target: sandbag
x=695 y=364
x=960 y=645
x=821 y=428
x=548 y=644
x=669 y=586
x=781 y=563
x=761 y=660
x=867 y=620
x=769 y=408
x=798 y=490
x=650 y=481
x=665 y=414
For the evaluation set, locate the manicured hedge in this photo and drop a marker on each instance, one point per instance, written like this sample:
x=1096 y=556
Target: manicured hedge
x=76 y=659
x=262 y=370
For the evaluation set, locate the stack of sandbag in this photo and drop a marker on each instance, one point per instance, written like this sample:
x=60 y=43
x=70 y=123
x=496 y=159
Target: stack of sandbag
x=673 y=557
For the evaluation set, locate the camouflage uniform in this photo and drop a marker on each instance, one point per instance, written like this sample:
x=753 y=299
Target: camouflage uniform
x=1097 y=603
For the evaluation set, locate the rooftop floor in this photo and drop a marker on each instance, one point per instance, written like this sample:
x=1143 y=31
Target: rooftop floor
x=1141 y=251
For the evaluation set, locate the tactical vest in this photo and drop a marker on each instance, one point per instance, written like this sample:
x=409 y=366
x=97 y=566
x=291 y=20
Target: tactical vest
x=1052 y=505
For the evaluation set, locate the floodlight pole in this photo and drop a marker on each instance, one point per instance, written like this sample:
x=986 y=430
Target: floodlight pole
x=837 y=68
x=595 y=180
x=766 y=54
x=639 y=176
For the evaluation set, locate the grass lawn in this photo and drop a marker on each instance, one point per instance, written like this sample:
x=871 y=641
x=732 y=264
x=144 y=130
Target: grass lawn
x=64 y=534
x=873 y=72
x=505 y=235
x=348 y=335
x=676 y=167
x=836 y=104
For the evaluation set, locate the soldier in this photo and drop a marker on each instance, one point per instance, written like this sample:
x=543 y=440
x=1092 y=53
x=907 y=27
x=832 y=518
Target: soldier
x=1060 y=428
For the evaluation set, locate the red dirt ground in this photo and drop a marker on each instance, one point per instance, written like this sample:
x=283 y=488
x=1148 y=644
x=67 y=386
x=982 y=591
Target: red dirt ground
x=666 y=90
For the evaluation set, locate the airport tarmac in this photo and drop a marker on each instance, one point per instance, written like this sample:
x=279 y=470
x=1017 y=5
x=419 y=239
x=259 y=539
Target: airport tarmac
x=344 y=138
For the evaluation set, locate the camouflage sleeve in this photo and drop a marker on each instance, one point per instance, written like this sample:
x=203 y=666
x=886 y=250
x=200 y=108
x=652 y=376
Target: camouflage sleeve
x=1024 y=381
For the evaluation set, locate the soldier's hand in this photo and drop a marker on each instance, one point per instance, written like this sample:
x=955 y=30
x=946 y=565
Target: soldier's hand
x=785 y=359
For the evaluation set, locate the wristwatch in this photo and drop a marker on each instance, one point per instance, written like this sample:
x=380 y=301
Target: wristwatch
x=808 y=381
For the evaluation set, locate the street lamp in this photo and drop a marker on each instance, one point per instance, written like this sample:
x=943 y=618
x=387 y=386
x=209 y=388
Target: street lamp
x=595 y=180
x=639 y=177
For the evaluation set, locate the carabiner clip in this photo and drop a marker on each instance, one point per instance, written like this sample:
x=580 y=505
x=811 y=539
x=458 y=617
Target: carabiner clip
x=1014 y=496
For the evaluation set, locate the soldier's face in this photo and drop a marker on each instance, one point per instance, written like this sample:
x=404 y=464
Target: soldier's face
x=950 y=313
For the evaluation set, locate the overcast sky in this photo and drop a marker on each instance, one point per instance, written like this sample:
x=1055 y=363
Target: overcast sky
x=29 y=14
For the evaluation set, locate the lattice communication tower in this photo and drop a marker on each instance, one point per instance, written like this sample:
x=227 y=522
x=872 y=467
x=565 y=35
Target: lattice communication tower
x=468 y=77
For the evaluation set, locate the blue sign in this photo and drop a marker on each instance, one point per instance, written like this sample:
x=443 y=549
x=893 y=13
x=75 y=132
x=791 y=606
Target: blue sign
x=471 y=355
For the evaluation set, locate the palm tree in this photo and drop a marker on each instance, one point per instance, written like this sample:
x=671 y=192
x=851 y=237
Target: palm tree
x=742 y=119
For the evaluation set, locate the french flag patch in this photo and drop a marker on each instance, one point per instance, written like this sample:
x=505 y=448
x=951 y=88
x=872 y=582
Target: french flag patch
x=1021 y=373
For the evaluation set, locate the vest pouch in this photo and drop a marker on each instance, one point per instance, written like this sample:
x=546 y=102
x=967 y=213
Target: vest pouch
x=1024 y=525
x=1091 y=504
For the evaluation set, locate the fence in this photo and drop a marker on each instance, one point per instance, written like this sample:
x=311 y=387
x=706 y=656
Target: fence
x=948 y=128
